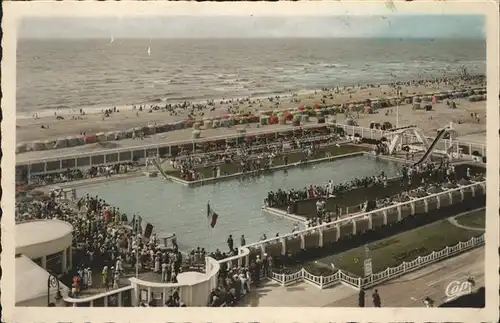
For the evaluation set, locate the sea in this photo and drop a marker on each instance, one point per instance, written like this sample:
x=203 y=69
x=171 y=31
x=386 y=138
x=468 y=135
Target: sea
x=92 y=73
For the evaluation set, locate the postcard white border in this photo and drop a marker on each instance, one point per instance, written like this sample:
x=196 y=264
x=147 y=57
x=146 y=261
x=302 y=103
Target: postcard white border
x=13 y=11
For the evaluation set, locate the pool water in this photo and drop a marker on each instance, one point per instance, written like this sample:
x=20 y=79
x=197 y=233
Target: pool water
x=174 y=208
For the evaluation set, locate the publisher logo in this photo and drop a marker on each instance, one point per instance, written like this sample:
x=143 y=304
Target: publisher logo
x=458 y=288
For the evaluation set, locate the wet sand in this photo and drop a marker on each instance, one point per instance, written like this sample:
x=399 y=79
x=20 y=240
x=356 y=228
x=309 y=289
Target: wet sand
x=29 y=129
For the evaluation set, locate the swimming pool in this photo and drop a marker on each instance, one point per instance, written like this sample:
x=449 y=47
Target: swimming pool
x=174 y=208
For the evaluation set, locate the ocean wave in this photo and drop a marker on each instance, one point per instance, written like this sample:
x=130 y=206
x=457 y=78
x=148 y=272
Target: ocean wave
x=262 y=93
x=166 y=81
x=178 y=82
x=325 y=65
x=181 y=98
x=226 y=89
x=162 y=98
x=55 y=107
x=226 y=76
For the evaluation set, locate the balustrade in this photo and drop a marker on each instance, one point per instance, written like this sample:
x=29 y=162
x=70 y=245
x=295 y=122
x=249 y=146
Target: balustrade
x=197 y=295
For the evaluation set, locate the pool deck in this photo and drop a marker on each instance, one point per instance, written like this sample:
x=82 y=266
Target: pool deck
x=406 y=291
x=166 y=139
x=212 y=180
x=284 y=214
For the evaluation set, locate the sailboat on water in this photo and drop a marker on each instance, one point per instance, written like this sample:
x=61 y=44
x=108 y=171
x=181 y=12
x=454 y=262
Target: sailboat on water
x=112 y=39
x=149 y=48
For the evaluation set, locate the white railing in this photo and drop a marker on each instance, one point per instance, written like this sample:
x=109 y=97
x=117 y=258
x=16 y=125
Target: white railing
x=188 y=292
x=378 y=134
x=258 y=147
x=364 y=215
x=167 y=144
x=377 y=278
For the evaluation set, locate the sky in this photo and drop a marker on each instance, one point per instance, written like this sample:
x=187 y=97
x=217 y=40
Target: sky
x=394 y=26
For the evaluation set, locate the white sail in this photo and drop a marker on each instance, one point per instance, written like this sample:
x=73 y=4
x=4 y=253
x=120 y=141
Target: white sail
x=112 y=39
x=149 y=48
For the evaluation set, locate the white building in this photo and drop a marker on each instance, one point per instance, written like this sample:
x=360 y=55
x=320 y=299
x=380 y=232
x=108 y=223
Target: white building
x=41 y=247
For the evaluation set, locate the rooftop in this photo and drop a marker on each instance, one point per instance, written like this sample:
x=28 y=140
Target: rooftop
x=31 y=283
x=36 y=232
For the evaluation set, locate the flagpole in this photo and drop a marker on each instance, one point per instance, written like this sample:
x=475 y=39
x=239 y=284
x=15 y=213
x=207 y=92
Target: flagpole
x=137 y=247
x=209 y=232
x=397 y=109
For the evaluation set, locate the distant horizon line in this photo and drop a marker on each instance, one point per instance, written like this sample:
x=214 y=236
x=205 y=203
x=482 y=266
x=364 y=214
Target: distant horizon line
x=256 y=38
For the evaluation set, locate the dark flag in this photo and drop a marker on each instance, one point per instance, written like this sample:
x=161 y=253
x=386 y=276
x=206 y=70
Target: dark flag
x=212 y=215
x=148 y=231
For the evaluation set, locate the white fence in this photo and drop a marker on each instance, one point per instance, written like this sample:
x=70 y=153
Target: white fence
x=442 y=144
x=190 y=297
x=408 y=208
x=377 y=278
x=195 y=293
x=113 y=156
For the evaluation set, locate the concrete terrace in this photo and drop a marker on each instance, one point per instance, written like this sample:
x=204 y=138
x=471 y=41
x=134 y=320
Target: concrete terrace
x=158 y=139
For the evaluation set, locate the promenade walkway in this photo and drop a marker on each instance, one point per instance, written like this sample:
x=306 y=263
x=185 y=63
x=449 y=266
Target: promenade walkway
x=406 y=291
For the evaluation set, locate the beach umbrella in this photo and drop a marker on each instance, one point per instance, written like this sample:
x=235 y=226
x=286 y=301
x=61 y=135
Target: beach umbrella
x=301 y=108
x=316 y=106
x=226 y=116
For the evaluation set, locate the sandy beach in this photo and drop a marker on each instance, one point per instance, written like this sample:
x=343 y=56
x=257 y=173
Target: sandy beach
x=29 y=129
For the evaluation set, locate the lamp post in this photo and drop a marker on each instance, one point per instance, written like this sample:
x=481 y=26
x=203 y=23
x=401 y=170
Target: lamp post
x=53 y=282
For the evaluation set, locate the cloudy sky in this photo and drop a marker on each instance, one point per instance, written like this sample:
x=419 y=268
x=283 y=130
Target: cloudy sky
x=398 y=26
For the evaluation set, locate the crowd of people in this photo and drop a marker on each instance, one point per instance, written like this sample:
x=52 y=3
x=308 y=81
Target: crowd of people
x=458 y=81
x=415 y=180
x=246 y=161
x=234 y=152
x=106 y=240
x=282 y=198
x=107 y=245
x=234 y=283
x=212 y=156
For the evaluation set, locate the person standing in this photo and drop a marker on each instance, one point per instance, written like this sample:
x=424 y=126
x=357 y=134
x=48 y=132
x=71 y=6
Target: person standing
x=85 y=278
x=361 y=300
x=104 y=275
x=164 y=272
x=89 y=278
x=242 y=240
x=157 y=264
x=116 y=277
x=230 y=242
x=174 y=242
x=377 y=302
x=119 y=266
